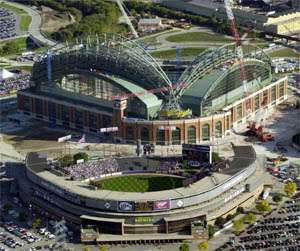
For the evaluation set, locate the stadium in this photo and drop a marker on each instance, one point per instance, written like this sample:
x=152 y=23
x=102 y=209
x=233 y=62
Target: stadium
x=167 y=212
x=109 y=81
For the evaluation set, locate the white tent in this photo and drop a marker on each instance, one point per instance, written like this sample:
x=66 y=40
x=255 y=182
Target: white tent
x=5 y=74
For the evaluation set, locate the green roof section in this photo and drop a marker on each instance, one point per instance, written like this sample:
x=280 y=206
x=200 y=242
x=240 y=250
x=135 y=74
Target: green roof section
x=148 y=98
x=201 y=87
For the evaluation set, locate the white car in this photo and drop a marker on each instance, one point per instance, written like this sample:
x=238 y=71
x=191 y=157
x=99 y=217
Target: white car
x=42 y=230
x=51 y=236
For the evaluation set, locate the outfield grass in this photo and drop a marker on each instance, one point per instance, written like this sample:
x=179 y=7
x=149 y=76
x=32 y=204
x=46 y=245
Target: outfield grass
x=198 y=37
x=139 y=183
x=185 y=52
x=287 y=52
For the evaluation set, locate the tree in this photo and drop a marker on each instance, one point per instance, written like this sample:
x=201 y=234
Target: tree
x=81 y=155
x=229 y=217
x=103 y=248
x=215 y=157
x=277 y=197
x=211 y=231
x=6 y=207
x=23 y=216
x=203 y=245
x=11 y=47
x=240 y=210
x=219 y=222
x=37 y=223
x=249 y=218
x=66 y=160
x=290 y=188
x=238 y=225
x=263 y=206
x=185 y=246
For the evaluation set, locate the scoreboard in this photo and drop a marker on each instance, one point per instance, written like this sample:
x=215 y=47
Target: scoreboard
x=195 y=156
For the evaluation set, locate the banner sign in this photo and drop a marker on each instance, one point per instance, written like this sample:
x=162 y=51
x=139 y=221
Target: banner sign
x=144 y=206
x=65 y=138
x=109 y=129
x=161 y=205
x=171 y=128
x=126 y=206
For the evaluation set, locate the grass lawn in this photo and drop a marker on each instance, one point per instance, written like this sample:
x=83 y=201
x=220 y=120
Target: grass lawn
x=286 y=52
x=139 y=183
x=185 y=52
x=21 y=41
x=25 y=22
x=18 y=11
x=198 y=37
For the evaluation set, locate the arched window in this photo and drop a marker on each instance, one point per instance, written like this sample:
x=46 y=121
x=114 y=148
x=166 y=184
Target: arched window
x=192 y=135
x=129 y=134
x=205 y=132
x=176 y=136
x=145 y=136
x=160 y=137
x=218 y=129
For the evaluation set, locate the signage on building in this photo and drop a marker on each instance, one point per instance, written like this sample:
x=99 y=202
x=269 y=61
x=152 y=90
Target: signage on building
x=109 y=129
x=143 y=220
x=126 y=206
x=161 y=205
x=234 y=194
x=64 y=139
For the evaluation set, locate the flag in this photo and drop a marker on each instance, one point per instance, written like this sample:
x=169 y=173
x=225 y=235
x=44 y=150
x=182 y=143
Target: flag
x=82 y=140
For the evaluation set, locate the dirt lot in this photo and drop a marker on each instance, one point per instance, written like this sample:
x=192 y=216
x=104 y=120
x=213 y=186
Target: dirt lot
x=53 y=20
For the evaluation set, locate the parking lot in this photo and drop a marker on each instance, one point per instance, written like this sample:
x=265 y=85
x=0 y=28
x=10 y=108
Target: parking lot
x=19 y=229
x=8 y=23
x=280 y=230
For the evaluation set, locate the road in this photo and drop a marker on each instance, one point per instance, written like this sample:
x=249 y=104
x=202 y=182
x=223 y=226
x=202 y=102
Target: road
x=34 y=30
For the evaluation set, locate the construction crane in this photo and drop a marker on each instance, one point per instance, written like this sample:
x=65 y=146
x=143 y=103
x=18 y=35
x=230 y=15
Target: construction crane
x=124 y=13
x=239 y=50
x=238 y=42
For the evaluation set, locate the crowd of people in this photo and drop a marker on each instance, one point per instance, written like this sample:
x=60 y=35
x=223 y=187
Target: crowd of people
x=93 y=169
x=18 y=82
x=278 y=231
x=7 y=24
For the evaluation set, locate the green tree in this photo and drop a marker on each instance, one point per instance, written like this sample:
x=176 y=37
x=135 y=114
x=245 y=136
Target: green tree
x=277 y=197
x=219 y=222
x=263 y=206
x=249 y=218
x=238 y=226
x=290 y=188
x=229 y=217
x=211 y=231
x=240 y=210
x=185 y=246
x=215 y=157
x=6 y=207
x=37 y=223
x=23 y=216
x=12 y=47
x=66 y=160
x=81 y=155
x=103 y=247
x=203 y=245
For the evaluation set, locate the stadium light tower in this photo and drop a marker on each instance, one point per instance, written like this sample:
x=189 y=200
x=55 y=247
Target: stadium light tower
x=238 y=42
